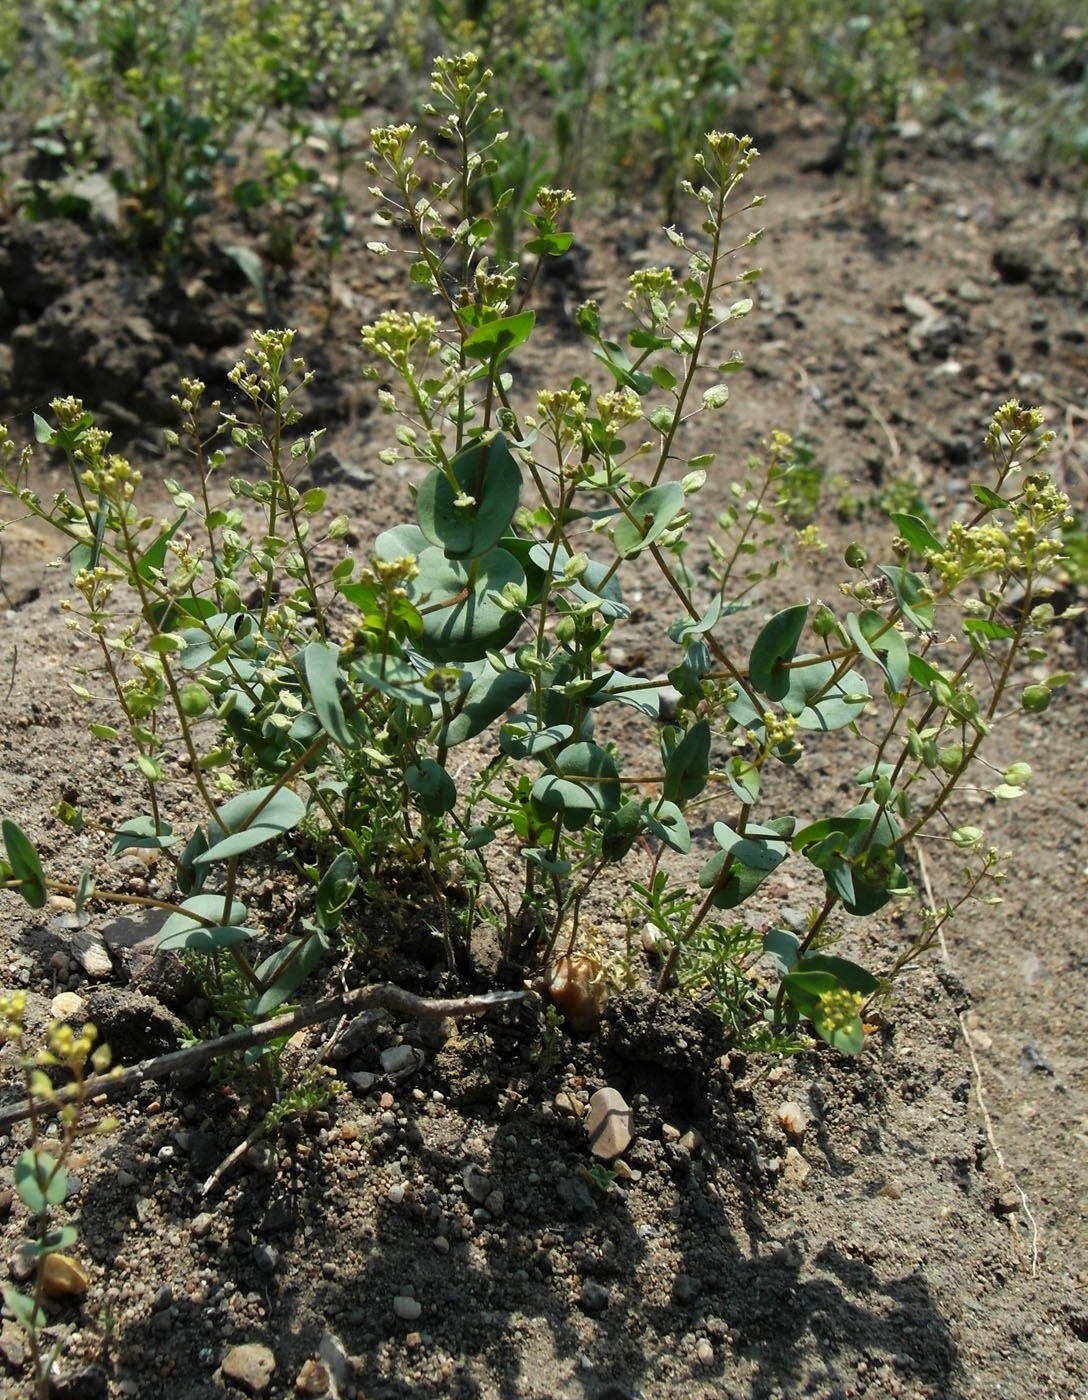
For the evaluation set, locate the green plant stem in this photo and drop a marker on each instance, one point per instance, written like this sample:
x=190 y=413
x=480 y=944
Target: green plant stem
x=704 y=908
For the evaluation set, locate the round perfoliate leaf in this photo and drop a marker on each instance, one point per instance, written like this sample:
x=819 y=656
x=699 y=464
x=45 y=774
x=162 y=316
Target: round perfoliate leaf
x=460 y=603
x=585 y=782
x=470 y=520
x=40 y=1180
x=774 y=647
x=432 y=785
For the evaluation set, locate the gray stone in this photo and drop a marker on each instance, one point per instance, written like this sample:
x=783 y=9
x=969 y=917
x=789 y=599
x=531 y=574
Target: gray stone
x=205 y=1151
x=13 y=1345
x=250 y=1366
x=266 y=1258
x=594 y=1297
x=608 y=1124
x=360 y=1030
x=134 y=930
x=332 y=1352
x=280 y=1215
x=477 y=1184
x=399 y=1061
x=407 y=1309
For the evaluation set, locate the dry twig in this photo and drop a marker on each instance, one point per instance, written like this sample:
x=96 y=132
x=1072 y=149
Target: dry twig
x=382 y=994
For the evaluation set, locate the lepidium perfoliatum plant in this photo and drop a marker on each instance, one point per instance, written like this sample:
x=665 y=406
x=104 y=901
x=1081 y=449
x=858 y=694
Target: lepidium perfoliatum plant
x=440 y=708
x=41 y=1171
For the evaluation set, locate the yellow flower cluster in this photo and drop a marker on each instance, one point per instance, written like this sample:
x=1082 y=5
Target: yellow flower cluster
x=839 y=1008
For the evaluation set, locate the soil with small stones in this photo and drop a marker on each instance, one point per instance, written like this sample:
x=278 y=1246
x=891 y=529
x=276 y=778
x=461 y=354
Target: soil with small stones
x=820 y=1226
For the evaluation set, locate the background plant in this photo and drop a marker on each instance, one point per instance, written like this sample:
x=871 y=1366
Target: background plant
x=172 y=101
x=41 y=1177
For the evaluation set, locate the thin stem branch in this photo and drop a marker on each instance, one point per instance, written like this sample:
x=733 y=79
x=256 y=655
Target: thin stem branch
x=193 y=1057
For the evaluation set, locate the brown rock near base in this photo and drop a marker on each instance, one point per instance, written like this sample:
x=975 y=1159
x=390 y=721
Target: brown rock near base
x=608 y=1124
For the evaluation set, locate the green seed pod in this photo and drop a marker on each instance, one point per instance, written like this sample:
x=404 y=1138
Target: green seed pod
x=823 y=621
x=855 y=556
x=565 y=630
x=951 y=758
x=230 y=597
x=1035 y=698
x=193 y=700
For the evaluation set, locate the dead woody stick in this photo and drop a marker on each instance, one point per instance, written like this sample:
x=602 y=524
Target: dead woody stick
x=382 y=994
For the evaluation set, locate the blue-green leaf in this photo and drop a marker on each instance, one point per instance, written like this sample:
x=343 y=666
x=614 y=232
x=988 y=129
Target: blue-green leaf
x=484 y=471
x=40 y=1180
x=25 y=865
x=324 y=678
x=140 y=834
x=776 y=645
x=249 y=820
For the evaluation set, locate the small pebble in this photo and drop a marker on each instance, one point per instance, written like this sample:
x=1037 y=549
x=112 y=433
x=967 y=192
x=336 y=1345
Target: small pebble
x=795 y=1170
x=407 y=1309
x=250 y=1366
x=704 y=1352
x=261 y=1157
x=399 y=1061
x=567 y=1105
x=608 y=1124
x=266 y=1258
x=477 y=1184
x=313 y=1379
x=594 y=1297
x=793 y=1118
x=66 y=1006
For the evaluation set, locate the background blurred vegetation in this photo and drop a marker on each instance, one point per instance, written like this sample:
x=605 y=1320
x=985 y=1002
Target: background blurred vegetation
x=153 y=114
